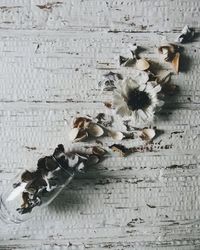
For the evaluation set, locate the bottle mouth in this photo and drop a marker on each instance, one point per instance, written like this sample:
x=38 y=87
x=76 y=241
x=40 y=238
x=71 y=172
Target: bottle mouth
x=6 y=215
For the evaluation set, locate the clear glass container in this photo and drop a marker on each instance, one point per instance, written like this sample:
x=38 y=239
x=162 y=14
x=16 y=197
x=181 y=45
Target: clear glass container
x=32 y=190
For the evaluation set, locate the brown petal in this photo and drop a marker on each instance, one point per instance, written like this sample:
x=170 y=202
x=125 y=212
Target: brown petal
x=77 y=134
x=176 y=62
x=96 y=150
x=81 y=122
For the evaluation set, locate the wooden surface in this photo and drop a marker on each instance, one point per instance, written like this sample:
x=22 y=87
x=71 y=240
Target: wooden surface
x=52 y=56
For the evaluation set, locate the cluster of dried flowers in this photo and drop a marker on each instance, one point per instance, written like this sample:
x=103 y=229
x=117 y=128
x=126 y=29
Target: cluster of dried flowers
x=139 y=95
x=53 y=172
x=83 y=127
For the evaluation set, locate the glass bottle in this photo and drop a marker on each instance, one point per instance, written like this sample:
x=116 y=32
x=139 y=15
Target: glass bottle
x=32 y=190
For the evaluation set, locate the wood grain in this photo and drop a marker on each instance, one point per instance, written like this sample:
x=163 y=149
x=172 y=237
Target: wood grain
x=52 y=56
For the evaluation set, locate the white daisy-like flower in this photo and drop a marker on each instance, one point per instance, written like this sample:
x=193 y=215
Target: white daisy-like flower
x=136 y=98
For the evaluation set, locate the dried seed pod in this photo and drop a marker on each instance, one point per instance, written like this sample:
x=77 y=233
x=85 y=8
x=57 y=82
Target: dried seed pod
x=147 y=134
x=96 y=150
x=142 y=64
x=95 y=130
x=116 y=135
x=81 y=122
x=77 y=134
x=176 y=62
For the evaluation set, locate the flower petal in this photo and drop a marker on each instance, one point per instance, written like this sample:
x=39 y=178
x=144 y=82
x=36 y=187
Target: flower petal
x=157 y=88
x=123 y=110
x=142 y=114
x=141 y=77
x=128 y=84
x=118 y=100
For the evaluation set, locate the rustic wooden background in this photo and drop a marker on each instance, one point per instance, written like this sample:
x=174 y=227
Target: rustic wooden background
x=52 y=56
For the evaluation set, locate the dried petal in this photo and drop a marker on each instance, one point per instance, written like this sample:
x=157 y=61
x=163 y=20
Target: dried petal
x=96 y=150
x=142 y=64
x=176 y=62
x=116 y=135
x=77 y=134
x=147 y=134
x=17 y=191
x=163 y=77
x=81 y=167
x=119 y=148
x=81 y=122
x=167 y=51
x=95 y=130
x=187 y=34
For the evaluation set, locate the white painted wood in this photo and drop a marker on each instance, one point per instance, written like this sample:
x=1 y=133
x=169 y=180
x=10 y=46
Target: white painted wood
x=52 y=56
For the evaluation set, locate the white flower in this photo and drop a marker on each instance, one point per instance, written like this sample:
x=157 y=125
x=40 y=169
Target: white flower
x=136 y=98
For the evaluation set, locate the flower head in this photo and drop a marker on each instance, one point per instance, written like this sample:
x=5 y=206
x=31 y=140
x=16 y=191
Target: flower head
x=135 y=97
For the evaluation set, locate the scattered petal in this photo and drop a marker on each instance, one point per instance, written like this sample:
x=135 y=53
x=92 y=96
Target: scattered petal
x=81 y=122
x=73 y=160
x=176 y=62
x=116 y=135
x=142 y=64
x=119 y=148
x=167 y=51
x=187 y=34
x=163 y=76
x=96 y=150
x=95 y=130
x=77 y=134
x=147 y=134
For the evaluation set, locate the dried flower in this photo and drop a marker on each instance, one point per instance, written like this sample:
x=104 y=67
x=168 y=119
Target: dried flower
x=52 y=172
x=187 y=34
x=136 y=97
x=82 y=128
